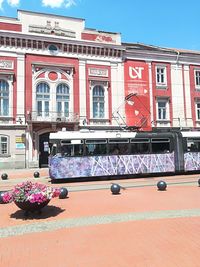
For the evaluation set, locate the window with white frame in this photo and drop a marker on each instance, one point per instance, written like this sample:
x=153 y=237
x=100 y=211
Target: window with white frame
x=198 y=110
x=43 y=99
x=197 y=78
x=4 y=145
x=98 y=102
x=4 y=98
x=162 y=109
x=161 y=76
x=62 y=100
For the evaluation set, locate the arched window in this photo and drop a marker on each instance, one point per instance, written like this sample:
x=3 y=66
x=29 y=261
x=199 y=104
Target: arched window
x=62 y=100
x=98 y=102
x=42 y=99
x=4 y=98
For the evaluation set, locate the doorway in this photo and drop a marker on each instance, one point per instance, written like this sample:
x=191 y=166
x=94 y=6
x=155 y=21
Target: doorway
x=43 y=150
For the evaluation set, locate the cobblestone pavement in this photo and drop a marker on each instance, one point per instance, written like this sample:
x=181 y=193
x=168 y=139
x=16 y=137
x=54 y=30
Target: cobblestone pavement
x=140 y=227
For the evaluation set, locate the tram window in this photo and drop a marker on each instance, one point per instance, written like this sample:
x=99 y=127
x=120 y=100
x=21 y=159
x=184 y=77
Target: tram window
x=95 y=141
x=193 y=145
x=118 y=146
x=121 y=140
x=54 y=150
x=71 y=150
x=95 y=147
x=160 y=145
x=140 y=146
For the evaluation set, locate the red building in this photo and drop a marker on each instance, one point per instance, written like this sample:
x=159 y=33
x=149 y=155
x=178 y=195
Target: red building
x=55 y=73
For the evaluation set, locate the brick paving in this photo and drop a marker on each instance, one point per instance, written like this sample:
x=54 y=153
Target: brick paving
x=141 y=227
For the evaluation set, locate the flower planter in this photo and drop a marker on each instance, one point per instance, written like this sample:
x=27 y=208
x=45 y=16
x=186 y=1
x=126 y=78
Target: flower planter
x=31 y=207
x=30 y=196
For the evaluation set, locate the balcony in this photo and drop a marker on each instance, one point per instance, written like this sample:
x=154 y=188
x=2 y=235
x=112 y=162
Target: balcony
x=52 y=117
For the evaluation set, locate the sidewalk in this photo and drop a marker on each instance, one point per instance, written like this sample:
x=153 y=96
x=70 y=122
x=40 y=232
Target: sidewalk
x=25 y=173
x=20 y=175
x=141 y=227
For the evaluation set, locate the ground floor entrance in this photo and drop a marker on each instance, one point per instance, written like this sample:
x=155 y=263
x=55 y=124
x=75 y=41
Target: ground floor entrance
x=44 y=150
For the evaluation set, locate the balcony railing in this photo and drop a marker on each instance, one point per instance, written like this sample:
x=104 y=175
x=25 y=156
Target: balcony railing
x=34 y=116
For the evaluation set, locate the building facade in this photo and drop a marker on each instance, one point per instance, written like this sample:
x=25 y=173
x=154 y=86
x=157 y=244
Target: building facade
x=55 y=73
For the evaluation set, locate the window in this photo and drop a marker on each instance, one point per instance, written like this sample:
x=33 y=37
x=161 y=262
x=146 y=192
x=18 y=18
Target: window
x=198 y=110
x=96 y=147
x=160 y=145
x=162 y=109
x=3 y=145
x=71 y=148
x=62 y=100
x=118 y=146
x=42 y=99
x=53 y=49
x=98 y=102
x=161 y=79
x=193 y=145
x=4 y=98
x=140 y=146
x=197 y=78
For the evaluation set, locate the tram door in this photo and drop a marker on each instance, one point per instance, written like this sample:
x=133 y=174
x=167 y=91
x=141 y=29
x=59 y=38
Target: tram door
x=44 y=150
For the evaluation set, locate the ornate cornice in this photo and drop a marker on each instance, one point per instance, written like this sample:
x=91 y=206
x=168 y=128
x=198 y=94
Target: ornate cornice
x=17 y=40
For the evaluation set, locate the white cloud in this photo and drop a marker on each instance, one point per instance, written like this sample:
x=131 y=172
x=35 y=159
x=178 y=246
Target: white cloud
x=1 y=2
x=69 y=3
x=13 y=2
x=58 y=3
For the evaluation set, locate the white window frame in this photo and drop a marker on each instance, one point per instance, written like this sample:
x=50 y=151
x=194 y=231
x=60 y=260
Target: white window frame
x=9 y=80
x=99 y=102
x=6 y=153
x=197 y=110
x=161 y=84
x=52 y=85
x=63 y=101
x=104 y=85
x=166 y=101
x=197 y=85
x=43 y=112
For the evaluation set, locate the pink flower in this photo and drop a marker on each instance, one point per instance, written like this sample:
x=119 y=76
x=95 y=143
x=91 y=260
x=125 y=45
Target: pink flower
x=33 y=192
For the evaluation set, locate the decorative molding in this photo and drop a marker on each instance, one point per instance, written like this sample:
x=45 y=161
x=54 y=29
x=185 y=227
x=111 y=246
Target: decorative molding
x=98 y=72
x=102 y=83
x=7 y=64
x=52 y=30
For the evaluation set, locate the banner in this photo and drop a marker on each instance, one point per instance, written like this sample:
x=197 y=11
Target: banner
x=137 y=108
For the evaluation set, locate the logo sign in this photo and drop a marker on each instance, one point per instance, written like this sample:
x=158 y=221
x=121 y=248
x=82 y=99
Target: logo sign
x=135 y=72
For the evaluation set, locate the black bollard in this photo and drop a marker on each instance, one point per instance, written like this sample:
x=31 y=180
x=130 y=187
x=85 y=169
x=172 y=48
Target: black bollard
x=199 y=182
x=162 y=185
x=4 y=176
x=63 y=193
x=115 y=189
x=36 y=174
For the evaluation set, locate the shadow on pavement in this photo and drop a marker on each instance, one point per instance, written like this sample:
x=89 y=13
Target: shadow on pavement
x=46 y=212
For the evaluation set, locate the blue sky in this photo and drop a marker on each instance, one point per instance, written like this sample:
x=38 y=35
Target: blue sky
x=170 y=23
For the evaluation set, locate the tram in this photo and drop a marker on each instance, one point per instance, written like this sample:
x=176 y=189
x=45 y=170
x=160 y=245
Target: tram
x=89 y=154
